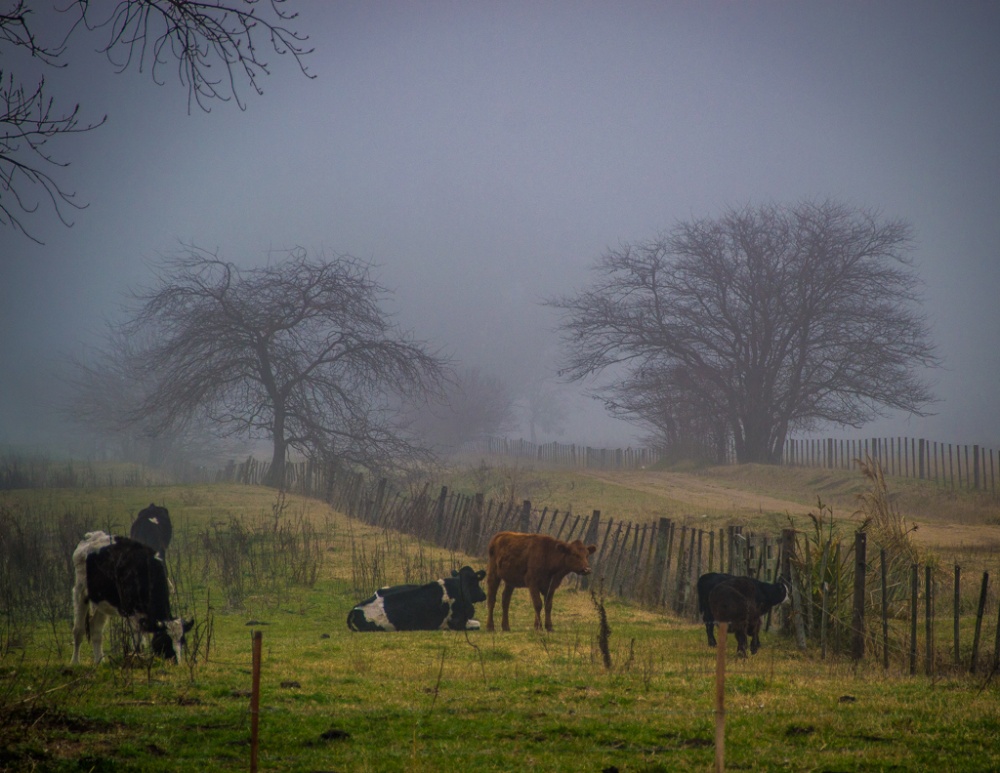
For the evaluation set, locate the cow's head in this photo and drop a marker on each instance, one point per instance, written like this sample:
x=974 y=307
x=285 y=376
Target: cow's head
x=787 y=588
x=577 y=555
x=169 y=638
x=469 y=587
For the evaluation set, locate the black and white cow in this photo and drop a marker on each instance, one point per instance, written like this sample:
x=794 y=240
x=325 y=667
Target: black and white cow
x=443 y=604
x=152 y=527
x=740 y=602
x=117 y=575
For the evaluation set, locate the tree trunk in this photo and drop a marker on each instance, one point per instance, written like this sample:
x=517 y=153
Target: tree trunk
x=275 y=477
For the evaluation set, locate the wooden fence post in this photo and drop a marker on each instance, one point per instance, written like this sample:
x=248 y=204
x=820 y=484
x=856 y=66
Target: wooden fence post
x=591 y=539
x=860 y=566
x=787 y=551
x=665 y=589
x=255 y=701
x=958 y=604
x=996 y=647
x=720 y=699
x=618 y=559
x=691 y=601
x=928 y=622
x=797 y=611
x=524 y=523
x=914 y=590
x=979 y=622
x=660 y=559
x=681 y=569
x=885 y=610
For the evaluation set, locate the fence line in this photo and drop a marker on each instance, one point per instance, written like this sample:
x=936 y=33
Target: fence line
x=971 y=467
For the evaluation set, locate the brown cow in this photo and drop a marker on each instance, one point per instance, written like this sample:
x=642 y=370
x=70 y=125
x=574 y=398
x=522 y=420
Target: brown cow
x=537 y=562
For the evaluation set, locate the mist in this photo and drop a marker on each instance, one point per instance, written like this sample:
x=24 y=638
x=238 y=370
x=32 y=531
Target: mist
x=483 y=156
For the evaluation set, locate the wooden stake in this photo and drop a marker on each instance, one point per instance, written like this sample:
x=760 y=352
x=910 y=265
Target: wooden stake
x=720 y=699
x=255 y=701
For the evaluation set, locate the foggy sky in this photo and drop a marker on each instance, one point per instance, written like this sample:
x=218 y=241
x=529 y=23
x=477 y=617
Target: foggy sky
x=484 y=155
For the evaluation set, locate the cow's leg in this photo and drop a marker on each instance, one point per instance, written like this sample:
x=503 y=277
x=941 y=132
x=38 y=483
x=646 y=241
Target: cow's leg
x=97 y=622
x=755 y=636
x=80 y=610
x=492 y=583
x=710 y=628
x=741 y=640
x=548 y=610
x=137 y=634
x=508 y=591
x=536 y=602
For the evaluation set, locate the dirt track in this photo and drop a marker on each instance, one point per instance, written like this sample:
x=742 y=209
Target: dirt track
x=701 y=492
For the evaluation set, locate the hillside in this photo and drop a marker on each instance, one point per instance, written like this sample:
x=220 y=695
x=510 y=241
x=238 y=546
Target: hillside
x=762 y=496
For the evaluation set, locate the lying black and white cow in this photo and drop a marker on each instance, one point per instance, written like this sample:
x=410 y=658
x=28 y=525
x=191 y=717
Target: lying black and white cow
x=117 y=575
x=740 y=602
x=446 y=603
x=152 y=527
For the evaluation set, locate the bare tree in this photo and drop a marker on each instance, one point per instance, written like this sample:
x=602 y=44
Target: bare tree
x=765 y=319
x=472 y=404
x=197 y=37
x=543 y=408
x=298 y=352
x=678 y=411
x=104 y=390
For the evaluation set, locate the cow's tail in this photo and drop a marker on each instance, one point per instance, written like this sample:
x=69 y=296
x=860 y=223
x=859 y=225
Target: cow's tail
x=350 y=620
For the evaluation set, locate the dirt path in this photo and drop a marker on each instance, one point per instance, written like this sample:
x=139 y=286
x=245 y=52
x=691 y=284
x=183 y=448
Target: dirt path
x=700 y=492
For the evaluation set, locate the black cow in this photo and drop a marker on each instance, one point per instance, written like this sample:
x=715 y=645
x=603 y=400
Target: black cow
x=740 y=602
x=117 y=575
x=152 y=527
x=442 y=604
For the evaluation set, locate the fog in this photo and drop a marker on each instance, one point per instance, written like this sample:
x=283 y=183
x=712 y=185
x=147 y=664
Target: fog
x=484 y=155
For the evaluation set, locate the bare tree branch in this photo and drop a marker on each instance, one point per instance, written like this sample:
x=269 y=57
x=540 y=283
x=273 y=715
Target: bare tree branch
x=215 y=44
x=199 y=36
x=472 y=405
x=28 y=120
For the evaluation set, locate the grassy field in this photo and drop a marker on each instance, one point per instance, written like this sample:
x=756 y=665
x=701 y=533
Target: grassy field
x=245 y=560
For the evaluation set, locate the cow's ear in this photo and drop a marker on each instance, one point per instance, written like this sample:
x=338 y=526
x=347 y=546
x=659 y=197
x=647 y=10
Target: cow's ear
x=187 y=625
x=480 y=574
x=591 y=549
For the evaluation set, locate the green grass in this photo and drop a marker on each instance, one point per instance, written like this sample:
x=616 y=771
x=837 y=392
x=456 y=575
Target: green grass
x=439 y=701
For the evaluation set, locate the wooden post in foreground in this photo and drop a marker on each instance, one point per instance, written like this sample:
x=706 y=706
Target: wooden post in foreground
x=255 y=701
x=720 y=699
x=980 y=609
x=858 y=623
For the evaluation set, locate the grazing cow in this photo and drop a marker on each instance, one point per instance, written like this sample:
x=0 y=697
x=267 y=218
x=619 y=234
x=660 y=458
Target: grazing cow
x=740 y=602
x=443 y=604
x=120 y=575
x=152 y=527
x=537 y=562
